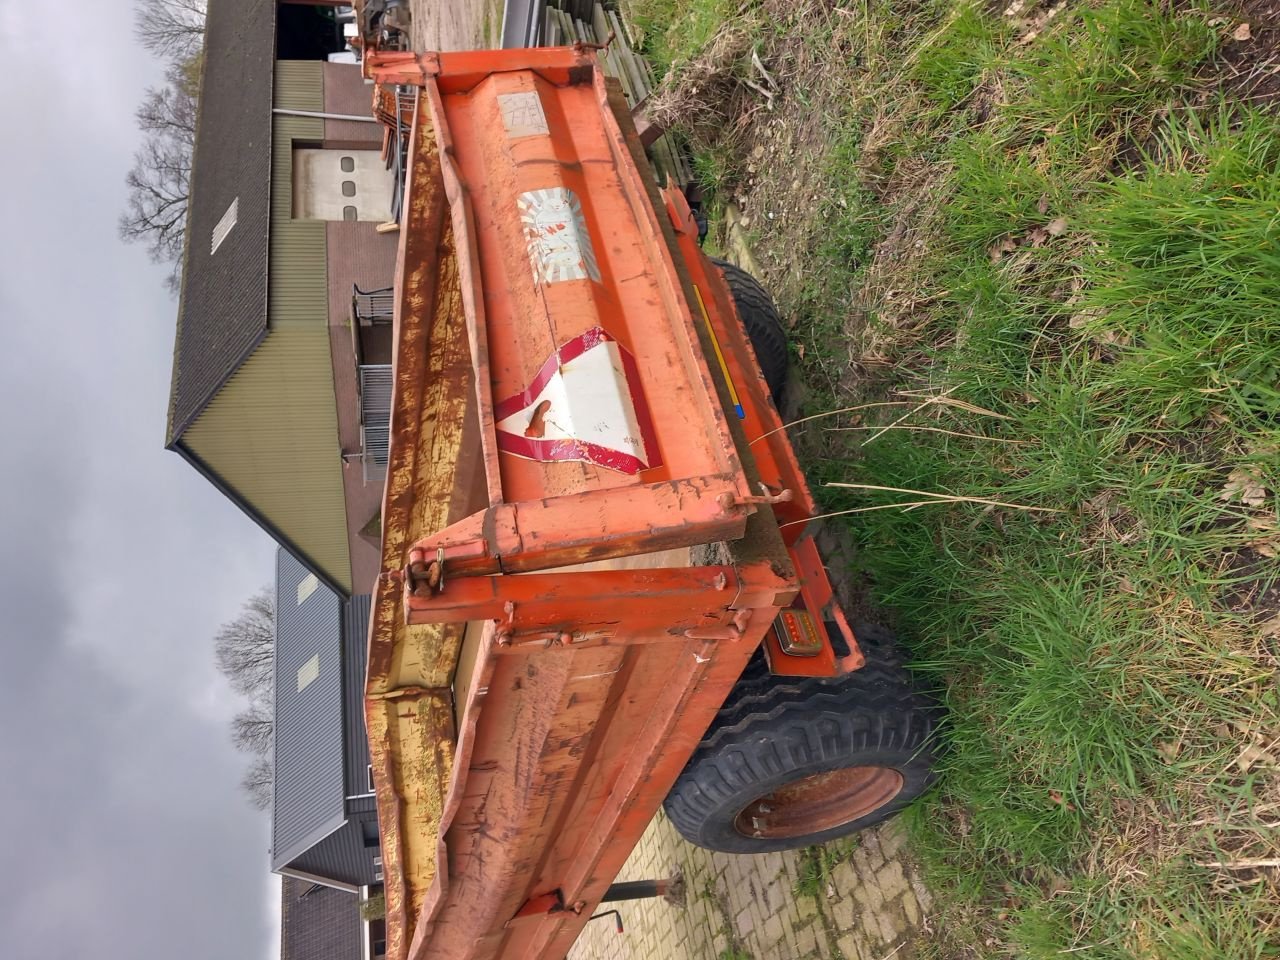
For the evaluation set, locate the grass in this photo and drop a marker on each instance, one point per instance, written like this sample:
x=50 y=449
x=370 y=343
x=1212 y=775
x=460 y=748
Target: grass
x=815 y=866
x=1065 y=223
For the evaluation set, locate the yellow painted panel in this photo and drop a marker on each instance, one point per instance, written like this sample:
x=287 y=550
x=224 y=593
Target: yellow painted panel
x=286 y=132
x=271 y=433
x=299 y=85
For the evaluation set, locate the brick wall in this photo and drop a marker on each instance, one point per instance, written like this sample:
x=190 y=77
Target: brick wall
x=356 y=254
x=346 y=92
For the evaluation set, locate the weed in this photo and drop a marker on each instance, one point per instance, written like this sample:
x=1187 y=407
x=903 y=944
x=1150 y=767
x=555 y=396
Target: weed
x=815 y=866
x=1052 y=221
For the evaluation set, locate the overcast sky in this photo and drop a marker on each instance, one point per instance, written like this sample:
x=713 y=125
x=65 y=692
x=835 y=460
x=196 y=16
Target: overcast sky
x=125 y=834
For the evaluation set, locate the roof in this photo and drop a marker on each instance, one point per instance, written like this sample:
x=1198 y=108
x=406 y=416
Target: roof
x=309 y=800
x=318 y=923
x=222 y=312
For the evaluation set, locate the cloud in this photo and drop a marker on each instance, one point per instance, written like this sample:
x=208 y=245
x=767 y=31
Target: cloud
x=127 y=831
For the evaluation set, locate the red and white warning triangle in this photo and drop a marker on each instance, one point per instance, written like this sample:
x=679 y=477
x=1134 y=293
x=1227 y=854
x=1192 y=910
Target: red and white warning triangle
x=585 y=403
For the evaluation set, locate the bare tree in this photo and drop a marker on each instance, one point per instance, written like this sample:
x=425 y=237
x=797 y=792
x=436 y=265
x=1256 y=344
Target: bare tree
x=170 y=29
x=253 y=728
x=156 y=211
x=159 y=182
x=245 y=647
x=258 y=782
x=170 y=111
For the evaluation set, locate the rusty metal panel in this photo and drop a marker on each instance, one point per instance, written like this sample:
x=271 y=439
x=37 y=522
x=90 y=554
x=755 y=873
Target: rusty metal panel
x=409 y=708
x=588 y=688
x=567 y=262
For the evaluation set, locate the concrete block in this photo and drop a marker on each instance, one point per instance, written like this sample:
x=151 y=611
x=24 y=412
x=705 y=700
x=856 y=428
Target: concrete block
x=892 y=837
x=850 y=947
x=911 y=909
x=893 y=883
x=842 y=912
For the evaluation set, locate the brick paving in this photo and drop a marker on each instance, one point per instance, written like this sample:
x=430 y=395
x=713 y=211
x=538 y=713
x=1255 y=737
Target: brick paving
x=870 y=907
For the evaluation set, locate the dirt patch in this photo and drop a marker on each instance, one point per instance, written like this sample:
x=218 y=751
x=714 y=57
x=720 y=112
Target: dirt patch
x=456 y=24
x=1252 y=588
x=1248 y=63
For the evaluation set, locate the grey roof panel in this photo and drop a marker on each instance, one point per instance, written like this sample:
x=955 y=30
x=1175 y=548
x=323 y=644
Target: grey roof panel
x=345 y=855
x=309 y=771
x=222 y=315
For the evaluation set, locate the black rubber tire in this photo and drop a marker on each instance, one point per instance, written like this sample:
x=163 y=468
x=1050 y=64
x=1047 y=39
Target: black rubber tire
x=774 y=731
x=764 y=326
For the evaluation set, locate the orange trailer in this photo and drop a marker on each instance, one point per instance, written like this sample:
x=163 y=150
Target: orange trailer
x=593 y=522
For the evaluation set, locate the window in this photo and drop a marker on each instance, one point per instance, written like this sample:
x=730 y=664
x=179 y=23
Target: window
x=307 y=586
x=350 y=213
x=308 y=672
x=224 y=226
x=369 y=833
x=348 y=164
x=369 y=770
x=348 y=188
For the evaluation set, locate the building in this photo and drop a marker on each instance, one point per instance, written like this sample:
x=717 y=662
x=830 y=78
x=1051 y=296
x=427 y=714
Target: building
x=281 y=379
x=324 y=822
x=320 y=923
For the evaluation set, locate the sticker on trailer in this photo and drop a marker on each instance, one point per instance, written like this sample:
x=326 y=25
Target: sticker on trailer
x=522 y=115
x=584 y=404
x=555 y=231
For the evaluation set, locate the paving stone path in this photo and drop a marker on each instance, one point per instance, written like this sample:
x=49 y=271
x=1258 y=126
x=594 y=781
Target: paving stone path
x=869 y=905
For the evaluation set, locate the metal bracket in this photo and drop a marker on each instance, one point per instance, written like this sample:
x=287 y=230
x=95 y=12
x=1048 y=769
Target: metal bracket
x=544 y=904
x=730 y=631
x=767 y=496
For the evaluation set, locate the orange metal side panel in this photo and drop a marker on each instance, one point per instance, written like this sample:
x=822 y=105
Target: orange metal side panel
x=771 y=450
x=584 y=344
x=591 y=428
x=571 y=752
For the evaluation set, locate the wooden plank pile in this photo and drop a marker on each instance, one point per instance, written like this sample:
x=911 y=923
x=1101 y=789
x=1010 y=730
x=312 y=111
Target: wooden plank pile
x=592 y=21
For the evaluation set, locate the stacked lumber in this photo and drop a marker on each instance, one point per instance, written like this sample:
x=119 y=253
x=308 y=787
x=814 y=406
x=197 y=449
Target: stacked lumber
x=591 y=21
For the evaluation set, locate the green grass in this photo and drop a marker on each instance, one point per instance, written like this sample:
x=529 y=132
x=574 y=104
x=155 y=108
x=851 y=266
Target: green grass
x=673 y=31
x=1100 y=278
x=816 y=864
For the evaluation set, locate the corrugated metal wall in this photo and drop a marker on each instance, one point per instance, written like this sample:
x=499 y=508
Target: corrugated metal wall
x=272 y=431
x=310 y=789
x=344 y=855
x=355 y=639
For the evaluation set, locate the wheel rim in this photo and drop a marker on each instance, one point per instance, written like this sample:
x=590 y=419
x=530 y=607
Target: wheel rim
x=820 y=802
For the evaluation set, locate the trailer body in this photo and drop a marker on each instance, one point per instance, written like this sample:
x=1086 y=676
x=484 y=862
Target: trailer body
x=592 y=517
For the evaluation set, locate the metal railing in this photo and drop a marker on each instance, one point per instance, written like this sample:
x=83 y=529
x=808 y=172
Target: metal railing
x=373 y=306
x=375 y=418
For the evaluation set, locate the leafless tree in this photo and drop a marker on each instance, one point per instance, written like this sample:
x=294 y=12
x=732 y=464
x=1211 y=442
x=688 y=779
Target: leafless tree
x=245 y=647
x=159 y=182
x=170 y=29
x=156 y=211
x=258 y=782
x=170 y=111
x=253 y=728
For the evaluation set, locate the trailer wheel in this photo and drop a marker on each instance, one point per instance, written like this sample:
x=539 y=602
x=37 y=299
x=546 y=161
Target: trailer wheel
x=764 y=326
x=791 y=762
